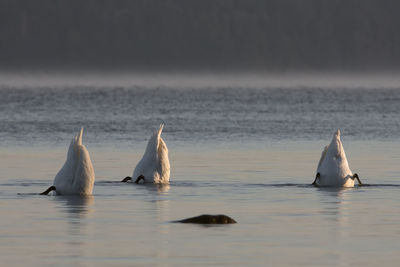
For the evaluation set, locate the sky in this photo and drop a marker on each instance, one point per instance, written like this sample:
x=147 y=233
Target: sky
x=222 y=35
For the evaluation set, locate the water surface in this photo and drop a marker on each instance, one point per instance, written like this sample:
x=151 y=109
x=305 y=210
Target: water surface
x=250 y=153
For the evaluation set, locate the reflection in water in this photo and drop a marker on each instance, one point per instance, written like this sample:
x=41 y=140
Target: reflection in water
x=335 y=200
x=162 y=188
x=335 y=206
x=334 y=193
x=159 y=205
x=76 y=209
x=76 y=206
x=163 y=228
x=155 y=188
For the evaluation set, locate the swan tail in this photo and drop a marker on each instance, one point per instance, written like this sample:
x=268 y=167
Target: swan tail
x=78 y=138
x=160 y=130
x=163 y=161
x=84 y=176
x=153 y=144
x=159 y=141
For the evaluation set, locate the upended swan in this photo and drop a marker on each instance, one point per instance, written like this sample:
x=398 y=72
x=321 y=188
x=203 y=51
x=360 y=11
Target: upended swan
x=76 y=177
x=333 y=168
x=154 y=165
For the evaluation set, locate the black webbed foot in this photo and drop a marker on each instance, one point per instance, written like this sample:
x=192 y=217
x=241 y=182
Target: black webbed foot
x=126 y=179
x=139 y=178
x=316 y=177
x=51 y=188
x=355 y=176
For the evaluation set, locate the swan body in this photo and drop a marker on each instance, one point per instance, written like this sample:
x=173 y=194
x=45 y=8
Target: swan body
x=333 y=168
x=154 y=166
x=76 y=177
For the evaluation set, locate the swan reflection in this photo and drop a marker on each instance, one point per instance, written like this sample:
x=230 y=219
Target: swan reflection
x=155 y=188
x=76 y=206
x=334 y=202
x=75 y=211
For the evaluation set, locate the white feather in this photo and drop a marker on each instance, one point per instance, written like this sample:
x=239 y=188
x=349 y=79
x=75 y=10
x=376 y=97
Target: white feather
x=323 y=154
x=333 y=166
x=154 y=165
x=76 y=177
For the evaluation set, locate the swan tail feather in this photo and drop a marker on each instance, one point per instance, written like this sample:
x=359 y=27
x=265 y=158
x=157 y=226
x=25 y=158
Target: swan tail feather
x=160 y=130
x=78 y=138
x=164 y=167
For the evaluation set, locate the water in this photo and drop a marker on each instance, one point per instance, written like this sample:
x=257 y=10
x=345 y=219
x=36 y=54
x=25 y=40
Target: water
x=250 y=153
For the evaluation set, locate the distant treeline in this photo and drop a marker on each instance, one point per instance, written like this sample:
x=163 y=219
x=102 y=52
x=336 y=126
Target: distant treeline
x=180 y=34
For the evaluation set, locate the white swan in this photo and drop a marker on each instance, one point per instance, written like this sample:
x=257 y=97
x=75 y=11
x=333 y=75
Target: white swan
x=76 y=177
x=154 y=166
x=333 y=168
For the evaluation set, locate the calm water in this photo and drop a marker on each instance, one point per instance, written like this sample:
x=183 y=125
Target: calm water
x=250 y=153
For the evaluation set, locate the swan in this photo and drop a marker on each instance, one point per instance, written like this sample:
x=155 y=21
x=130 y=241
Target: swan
x=76 y=177
x=154 y=165
x=333 y=168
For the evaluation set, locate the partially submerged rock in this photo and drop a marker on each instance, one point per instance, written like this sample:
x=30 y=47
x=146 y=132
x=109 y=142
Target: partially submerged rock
x=208 y=219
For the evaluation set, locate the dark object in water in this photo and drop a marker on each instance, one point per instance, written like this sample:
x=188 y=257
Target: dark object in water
x=51 y=188
x=355 y=176
x=127 y=178
x=208 y=219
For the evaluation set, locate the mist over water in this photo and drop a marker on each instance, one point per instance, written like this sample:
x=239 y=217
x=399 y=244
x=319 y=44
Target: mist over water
x=122 y=78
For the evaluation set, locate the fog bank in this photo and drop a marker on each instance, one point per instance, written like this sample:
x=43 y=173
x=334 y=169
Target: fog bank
x=197 y=80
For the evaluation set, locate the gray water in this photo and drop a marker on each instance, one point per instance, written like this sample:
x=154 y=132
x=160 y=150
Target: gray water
x=250 y=153
x=127 y=114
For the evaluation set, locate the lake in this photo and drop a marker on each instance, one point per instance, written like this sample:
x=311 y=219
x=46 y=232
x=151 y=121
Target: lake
x=250 y=153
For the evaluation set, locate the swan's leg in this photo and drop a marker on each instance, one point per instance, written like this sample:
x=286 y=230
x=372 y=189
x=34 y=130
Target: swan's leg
x=51 y=188
x=355 y=176
x=126 y=179
x=316 y=177
x=139 y=178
